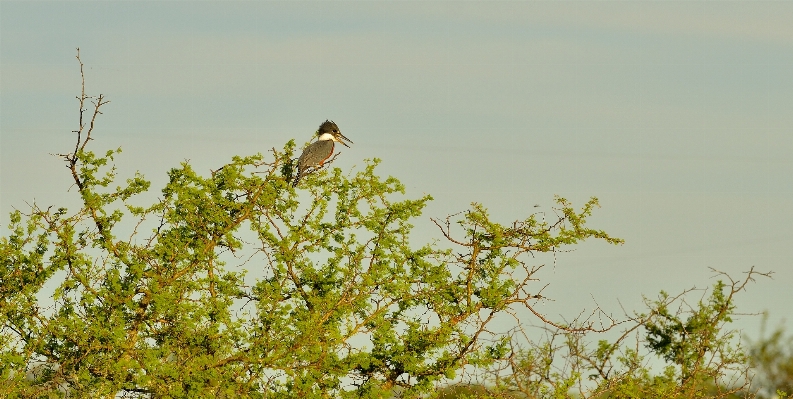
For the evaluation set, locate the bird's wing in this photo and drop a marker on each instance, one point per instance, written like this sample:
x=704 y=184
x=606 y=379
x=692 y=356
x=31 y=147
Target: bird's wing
x=315 y=154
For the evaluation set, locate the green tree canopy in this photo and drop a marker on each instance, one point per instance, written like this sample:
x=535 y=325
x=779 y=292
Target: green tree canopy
x=236 y=284
x=153 y=300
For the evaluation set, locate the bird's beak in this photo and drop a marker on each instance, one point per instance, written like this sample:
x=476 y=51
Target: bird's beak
x=341 y=136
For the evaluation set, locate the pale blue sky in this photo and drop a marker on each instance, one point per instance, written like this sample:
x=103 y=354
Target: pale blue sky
x=677 y=115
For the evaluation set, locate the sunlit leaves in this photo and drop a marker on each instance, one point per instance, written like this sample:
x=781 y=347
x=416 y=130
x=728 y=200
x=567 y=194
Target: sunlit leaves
x=343 y=303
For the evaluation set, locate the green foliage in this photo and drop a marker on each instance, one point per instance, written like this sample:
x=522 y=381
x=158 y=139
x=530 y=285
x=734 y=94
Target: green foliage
x=772 y=359
x=154 y=300
x=697 y=349
x=691 y=354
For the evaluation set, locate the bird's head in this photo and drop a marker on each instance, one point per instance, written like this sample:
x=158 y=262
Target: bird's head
x=328 y=130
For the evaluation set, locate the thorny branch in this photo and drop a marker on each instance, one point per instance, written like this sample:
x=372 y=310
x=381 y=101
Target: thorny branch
x=83 y=136
x=81 y=142
x=546 y=362
x=517 y=239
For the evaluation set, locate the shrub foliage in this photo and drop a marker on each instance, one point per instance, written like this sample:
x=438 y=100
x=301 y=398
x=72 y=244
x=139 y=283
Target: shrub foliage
x=118 y=298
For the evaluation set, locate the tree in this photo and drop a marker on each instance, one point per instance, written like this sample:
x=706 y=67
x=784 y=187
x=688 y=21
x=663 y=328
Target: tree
x=772 y=359
x=673 y=350
x=153 y=301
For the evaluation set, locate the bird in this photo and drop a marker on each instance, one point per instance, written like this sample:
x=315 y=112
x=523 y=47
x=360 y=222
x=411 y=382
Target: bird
x=318 y=152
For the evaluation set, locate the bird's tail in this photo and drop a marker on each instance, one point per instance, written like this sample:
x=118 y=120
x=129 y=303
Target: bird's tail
x=297 y=179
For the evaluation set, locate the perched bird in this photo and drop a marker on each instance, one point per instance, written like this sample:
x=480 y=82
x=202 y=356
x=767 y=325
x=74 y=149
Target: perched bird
x=319 y=151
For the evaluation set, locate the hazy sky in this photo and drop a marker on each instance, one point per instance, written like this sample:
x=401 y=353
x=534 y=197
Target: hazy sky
x=677 y=115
